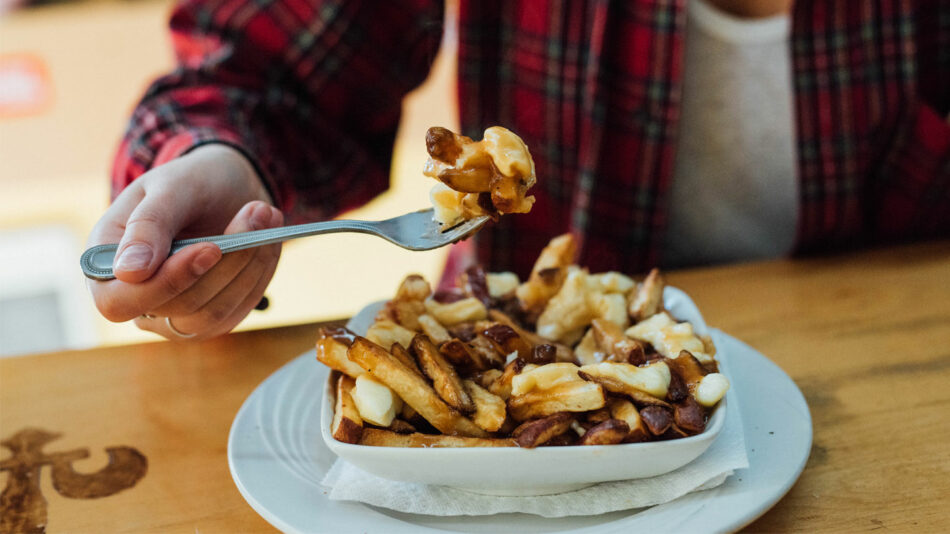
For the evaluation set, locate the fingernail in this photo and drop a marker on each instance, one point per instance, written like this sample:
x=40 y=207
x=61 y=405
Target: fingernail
x=204 y=262
x=134 y=258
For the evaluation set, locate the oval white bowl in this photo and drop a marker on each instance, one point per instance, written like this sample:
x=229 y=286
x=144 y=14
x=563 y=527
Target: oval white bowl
x=516 y=471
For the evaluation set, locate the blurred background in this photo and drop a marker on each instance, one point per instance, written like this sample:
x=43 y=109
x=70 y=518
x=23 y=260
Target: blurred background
x=70 y=74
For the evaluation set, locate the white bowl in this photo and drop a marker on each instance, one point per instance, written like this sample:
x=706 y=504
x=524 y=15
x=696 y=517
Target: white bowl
x=515 y=471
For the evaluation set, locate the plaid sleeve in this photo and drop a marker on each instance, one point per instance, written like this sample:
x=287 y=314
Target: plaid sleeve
x=309 y=90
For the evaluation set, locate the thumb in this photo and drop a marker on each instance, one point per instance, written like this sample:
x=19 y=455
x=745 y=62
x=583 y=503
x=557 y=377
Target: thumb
x=147 y=238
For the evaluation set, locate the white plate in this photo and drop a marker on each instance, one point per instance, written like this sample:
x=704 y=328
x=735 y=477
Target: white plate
x=277 y=459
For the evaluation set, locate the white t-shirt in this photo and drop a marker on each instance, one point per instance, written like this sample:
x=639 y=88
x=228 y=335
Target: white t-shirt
x=735 y=192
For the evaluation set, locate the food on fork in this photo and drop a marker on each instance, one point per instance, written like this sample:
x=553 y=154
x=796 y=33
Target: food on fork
x=488 y=177
x=564 y=358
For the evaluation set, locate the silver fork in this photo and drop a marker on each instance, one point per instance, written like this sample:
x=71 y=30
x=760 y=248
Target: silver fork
x=413 y=231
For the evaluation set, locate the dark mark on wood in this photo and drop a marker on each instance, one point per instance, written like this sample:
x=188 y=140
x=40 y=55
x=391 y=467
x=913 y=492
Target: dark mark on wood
x=22 y=505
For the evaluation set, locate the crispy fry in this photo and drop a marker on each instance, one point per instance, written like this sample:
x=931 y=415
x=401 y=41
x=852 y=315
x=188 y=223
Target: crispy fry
x=412 y=388
x=568 y=310
x=542 y=355
x=620 y=348
x=434 y=329
x=445 y=379
x=386 y=332
x=502 y=385
x=564 y=397
x=657 y=420
x=490 y=409
x=608 y=432
x=401 y=427
x=401 y=354
x=462 y=357
x=347 y=426
x=387 y=438
x=587 y=352
x=625 y=411
x=597 y=416
x=535 y=433
x=484 y=353
x=548 y=274
x=332 y=344
x=507 y=340
x=689 y=416
x=486 y=378
x=563 y=353
x=647 y=300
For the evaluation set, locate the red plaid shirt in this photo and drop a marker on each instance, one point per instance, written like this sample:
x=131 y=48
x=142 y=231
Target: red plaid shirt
x=310 y=91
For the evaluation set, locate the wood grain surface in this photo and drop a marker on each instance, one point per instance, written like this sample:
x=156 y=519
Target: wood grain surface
x=865 y=335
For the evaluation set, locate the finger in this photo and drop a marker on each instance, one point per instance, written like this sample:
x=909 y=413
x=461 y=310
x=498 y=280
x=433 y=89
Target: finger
x=121 y=301
x=110 y=227
x=149 y=230
x=233 y=303
x=253 y=216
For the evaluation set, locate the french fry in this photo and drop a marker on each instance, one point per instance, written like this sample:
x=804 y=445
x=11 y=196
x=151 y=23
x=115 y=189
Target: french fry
x=535 y=433
x=619 y=348
x=647 y=300
x=548 y=274
x=608 y=432
x=564 y=397
x=484 y=352
x=459 y=311
x=707 y=388
x=401 y=354
x=445 y=379
x=347 y=426
x=623 y=378
x=387 y=438
x=563 y=353
x=401 y=427
x=689 y=416
x=568 y=310
x=587 y=352
x=507 y=340
x=487 y=377
x=625 y=411
x=434 y=329
x=384 y=333
x=412 y=388
x=462 y=357
x=332 y=345
x=658 y=420
x=502 y=385
x=490 y=409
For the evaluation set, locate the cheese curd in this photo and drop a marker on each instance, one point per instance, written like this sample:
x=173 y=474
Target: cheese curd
x=669 y=337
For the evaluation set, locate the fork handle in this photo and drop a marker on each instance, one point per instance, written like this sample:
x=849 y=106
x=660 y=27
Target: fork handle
x=96 y=261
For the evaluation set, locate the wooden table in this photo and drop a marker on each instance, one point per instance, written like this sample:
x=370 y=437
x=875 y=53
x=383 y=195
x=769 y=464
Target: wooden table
x=864 y=335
